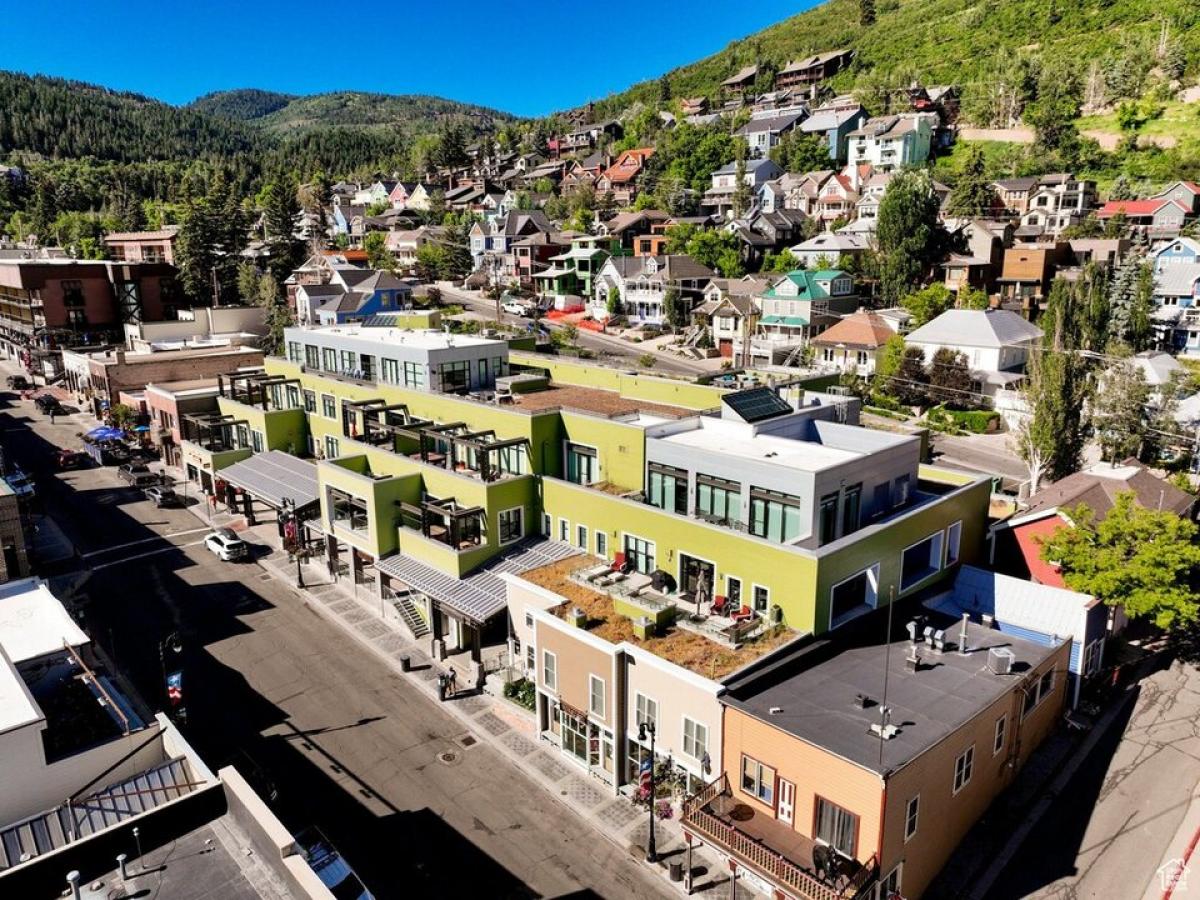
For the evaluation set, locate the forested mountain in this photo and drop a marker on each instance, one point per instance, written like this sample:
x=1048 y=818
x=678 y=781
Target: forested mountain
x=412 y=113
x=243 y=104
x=967 y=42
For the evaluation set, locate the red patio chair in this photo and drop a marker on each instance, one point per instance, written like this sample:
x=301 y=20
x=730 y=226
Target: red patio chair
x=742 y=614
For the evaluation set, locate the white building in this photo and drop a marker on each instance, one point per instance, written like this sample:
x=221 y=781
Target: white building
x=996 y=343
x=887 y=143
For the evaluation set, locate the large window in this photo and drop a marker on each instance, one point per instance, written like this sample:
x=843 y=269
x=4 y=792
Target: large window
x=774 y=516
x=581 y=537
x=455 y=376
x=920 y=561
x=328 y=406
x=851 y=509
x=349 y=512
x=912 y=813
x=1040 y=690
x=640 y=554
x=414 y=375
x=964 y=767
x=312 y=356
x=293 y=351
x=718 y=500
x=596 y=696
x=389 y=371
x=582 y=467
x=549 y=670
x=328 y=359
x=837 y=827
x=695 y=739
x=512 y=524
x=758 y=780
x=667 y=488
x=332 y=448
x=853 y=596
x=828 y=517
x=645 y=711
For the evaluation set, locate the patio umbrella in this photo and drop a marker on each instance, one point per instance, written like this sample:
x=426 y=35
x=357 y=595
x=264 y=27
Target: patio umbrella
x=142 y=428
x=105 y=433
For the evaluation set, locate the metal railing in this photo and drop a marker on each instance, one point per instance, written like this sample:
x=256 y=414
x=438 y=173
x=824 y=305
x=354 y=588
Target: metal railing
x=753 y=852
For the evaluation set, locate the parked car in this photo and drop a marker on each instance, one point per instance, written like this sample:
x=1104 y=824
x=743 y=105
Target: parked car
x=47 y=404
x=330 y=866
x=515 y=307
x=71 y=459
x=137 y=475
x=162 y=496
x=21 y=483
x=18 y=383
x=227 y=546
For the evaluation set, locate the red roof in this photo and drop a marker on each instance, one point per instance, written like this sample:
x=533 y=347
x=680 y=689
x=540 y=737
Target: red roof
x=628 y=165
x=1132 y=208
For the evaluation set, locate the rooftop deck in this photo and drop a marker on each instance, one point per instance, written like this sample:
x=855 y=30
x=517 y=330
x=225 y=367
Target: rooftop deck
x=684 y=642
x=594 y=400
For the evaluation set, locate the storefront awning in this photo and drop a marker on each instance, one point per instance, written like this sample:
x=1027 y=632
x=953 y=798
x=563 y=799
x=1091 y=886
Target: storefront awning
x=482 y=594
x=273 y=477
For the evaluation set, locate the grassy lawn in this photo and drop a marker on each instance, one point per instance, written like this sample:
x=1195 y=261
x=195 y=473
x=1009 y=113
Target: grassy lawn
x=1178 y=120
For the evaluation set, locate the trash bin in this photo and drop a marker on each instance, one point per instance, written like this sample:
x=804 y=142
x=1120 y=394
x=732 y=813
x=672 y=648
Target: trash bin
x=405 y=664
x=676 y=871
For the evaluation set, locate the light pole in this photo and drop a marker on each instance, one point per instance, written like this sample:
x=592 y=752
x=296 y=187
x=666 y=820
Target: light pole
x=173 y=641
x=288 y=508
x=645 y=728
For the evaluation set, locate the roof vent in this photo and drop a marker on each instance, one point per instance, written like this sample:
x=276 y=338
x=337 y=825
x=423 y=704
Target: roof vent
x=1000 y=660
x=915 y=627
x=886 y=732
x=775 y=710
x=862 y=701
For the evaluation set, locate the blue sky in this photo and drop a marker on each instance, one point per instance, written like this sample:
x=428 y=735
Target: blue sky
x=472 y=50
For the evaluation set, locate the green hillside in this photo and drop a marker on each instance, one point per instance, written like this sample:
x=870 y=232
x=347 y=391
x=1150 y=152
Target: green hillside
x=410 y=113
x=244 y=104
x=968 y=42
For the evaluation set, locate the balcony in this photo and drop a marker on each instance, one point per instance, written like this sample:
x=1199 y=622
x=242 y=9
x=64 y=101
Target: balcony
x=774 y=851
x=446 y=522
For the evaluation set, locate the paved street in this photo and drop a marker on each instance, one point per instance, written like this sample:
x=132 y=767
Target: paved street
x=604 y=344
x=987 y=453
x=1116 y=816
x=298 y=705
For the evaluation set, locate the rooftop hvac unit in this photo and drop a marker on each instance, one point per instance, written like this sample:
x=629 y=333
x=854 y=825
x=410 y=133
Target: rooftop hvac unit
x=1000 y=660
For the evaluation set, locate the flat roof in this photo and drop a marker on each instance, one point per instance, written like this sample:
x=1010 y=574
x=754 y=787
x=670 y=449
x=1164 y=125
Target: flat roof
x=17 y=706
x=138 y=357
x=738 y=439
x=811 y=694
x=594 y=400
x=424 y=339
x=33 y=622
x=186 y=386
x=687 y=649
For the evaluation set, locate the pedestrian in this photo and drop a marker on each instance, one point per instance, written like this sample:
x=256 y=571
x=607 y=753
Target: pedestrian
x=451 y=679
x=51 y=417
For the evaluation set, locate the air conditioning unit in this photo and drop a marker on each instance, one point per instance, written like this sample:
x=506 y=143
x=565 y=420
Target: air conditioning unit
x=1000 y=661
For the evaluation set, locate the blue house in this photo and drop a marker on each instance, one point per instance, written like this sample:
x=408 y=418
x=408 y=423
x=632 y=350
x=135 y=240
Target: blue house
x=1176 y=318
x=834 y=122
x=378 y=292
x=1036 y=612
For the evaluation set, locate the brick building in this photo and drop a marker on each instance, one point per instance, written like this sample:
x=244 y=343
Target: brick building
x=168 y=402
x=143 y=246
x=14 y=546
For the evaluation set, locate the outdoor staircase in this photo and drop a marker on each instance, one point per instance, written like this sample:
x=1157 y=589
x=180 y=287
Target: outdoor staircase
x=794 y=357
x=413 y=620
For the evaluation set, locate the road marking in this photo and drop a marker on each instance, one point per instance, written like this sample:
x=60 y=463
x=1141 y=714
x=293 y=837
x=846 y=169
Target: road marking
x=118 y=562
x=157 y=537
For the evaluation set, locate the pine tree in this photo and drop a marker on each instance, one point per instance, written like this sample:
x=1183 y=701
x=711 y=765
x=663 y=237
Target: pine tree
x=281 y=216
x=973 y=195
x=741 y=198
x=909 y=237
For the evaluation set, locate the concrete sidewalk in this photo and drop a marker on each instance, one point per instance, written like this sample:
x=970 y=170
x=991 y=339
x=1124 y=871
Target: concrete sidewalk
x=507 y=727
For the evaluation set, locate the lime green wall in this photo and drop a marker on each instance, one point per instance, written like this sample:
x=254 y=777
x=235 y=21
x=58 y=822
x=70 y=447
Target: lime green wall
x=380 y=495
x=620 y=448
x=282 y=429
x=789 y=575
x=687 y=394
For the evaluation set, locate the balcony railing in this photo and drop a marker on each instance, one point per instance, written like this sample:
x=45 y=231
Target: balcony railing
x=754 y=853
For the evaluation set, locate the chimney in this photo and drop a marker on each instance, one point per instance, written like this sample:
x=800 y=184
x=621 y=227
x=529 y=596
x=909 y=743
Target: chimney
x=120 y=356
x=962 y=635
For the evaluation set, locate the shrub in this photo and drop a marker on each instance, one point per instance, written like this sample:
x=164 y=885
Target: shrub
x=646 y=360
x=522 y=692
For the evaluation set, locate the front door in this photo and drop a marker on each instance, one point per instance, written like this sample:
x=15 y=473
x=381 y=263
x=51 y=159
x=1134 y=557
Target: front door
x=786 y=808
x=696 y=573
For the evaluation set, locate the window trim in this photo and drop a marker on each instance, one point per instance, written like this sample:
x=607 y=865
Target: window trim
x=582 y=536
x=874 y=567
x=912 y=815
x=754 y=590
x=683 y=737
x=956 y=542
x=968 y=769
x=648 y=699
x=758 y=780
x=593 y=680
x=550 y=683
x=818 y=799
x=600 y=537
x=564 y=525
x=520 y=511
x=1000 y=734
x=940 y=536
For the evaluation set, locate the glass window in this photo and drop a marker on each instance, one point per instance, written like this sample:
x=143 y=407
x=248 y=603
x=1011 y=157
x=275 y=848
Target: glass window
x=546 y=526
x=883 y=498
x=645 y=711
x=733 y=590
x=695 y=739
x=953 y=539
x=256 y=440
x=718 y=500
x=293 y=351
x=964 y=766
x=667 y=488
x=331 y=447
x=602 y=544
x=549 y=670
x=774 y=516
x=596 y=696
x=853 y=595
x=827 y=518
x=293 y=396
x=564 y=530
x=512 y=524
x=455 y=376
x=640 y=554
x=836 y=827
x=851 y=508
x=389 y=371
x=310 y=401
x=762 y=598
x=347 y=362
x=758 y=780
x=414 y=375
x=1038 y=692
x=581 y=537
x=920 y=561
x=998 y=739
x=312 y=356
x=328 y=406
x=900 y=490
x=912 y=812
x=582 y=467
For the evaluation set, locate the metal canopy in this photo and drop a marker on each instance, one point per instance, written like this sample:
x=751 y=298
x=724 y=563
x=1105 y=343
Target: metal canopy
x=481 y=595
x=274 y=476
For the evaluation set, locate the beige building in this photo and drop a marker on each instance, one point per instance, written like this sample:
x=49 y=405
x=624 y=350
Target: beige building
x=823 y=772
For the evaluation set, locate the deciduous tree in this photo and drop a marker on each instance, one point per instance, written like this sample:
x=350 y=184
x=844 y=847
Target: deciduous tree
x=909 y=238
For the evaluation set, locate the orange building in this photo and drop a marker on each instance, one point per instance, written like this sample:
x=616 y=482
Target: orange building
x=837 y=787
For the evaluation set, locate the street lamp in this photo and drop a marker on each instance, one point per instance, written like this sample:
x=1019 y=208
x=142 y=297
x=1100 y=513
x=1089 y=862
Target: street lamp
x=174 y=642
x=645 y=728
x=298 y=550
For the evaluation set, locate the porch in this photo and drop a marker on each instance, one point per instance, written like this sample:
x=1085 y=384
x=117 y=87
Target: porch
x=772 y=850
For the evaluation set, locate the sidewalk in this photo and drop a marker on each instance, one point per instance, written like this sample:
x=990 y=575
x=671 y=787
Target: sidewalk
x=506 y=727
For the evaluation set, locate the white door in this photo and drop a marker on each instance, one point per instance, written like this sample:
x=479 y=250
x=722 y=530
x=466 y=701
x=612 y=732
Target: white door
x=787 y=801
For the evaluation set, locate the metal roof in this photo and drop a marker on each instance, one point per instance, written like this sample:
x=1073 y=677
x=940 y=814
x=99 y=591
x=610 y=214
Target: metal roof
x=482 y=594
x=58 y=827
x=274 y=475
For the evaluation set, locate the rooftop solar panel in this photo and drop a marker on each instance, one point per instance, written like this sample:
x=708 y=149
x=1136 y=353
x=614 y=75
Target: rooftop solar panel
x=757 y=404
